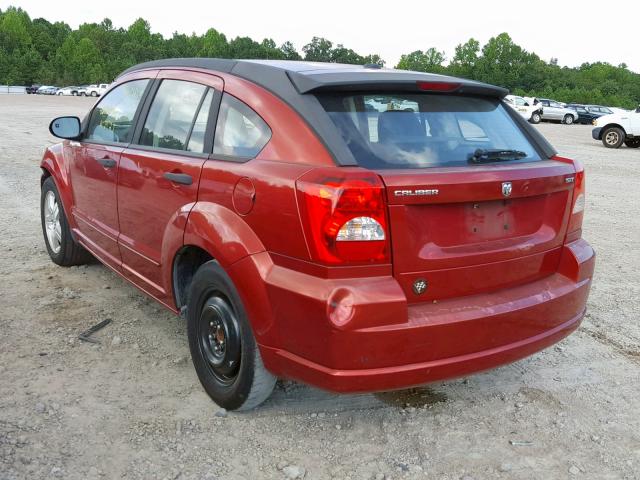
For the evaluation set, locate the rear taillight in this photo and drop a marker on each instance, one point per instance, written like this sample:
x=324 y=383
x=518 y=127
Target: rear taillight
x=574 y=231
x=344 y=216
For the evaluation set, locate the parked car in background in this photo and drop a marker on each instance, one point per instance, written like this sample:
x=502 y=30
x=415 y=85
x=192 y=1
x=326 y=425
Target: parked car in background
x=32 y=89
x=588 y=113
x=47 y=90
x=600 y=109
x=303 y=235
x=618 y=128
x=73 y=91
x=556 y=111
x=526 y=108
x=619 y=110
x=96 y=90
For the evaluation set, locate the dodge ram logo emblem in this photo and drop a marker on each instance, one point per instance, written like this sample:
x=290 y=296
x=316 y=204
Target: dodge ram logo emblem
x=506 y=188
x=419 y=286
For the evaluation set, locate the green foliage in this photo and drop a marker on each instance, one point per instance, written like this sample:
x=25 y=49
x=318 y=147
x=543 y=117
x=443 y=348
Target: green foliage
x=502 y=62
x=38 y=51
x=322 y=50
x=419 y=61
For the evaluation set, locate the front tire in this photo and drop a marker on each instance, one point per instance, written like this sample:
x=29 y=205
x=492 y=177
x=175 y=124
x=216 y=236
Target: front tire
x=94 y=94
x=536 y=118
x=568 y=120
x=633 y=143
x=223 y=348
x=613 y=137
x=61 y=246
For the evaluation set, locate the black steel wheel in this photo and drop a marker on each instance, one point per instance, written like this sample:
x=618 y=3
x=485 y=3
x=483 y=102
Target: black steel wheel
x=219 y=338
x=223 y=349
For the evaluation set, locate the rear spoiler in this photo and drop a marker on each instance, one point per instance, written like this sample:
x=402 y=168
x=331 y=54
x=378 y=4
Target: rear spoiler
x=386 y=80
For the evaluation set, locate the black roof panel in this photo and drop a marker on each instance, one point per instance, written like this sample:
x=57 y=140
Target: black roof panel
x=315 y=76
x=293 y=81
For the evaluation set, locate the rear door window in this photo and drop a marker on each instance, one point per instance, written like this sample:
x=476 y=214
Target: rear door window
x=112 y=119
x=240 y=132
x=423 y=130
x=196 y=140
x=171 y=117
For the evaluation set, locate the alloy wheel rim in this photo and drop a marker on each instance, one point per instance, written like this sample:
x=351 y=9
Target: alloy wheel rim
x=52 y=224
x=612 y=138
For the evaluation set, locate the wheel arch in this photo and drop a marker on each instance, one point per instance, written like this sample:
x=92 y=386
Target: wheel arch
x=212 y=232
x=611 y=125
x=53 y=165
x=186 y=262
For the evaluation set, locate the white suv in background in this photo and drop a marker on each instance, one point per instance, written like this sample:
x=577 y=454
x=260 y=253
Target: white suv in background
x=618 y=128
x=525 y=107
x=96 y=90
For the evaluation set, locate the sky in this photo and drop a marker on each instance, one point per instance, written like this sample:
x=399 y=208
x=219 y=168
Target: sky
x=572 y=31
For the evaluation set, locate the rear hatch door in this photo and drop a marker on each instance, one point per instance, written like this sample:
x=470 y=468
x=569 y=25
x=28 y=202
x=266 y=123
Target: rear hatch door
x=478 y=228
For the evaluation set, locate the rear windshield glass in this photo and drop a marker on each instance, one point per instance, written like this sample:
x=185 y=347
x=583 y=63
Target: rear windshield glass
x=423 y=130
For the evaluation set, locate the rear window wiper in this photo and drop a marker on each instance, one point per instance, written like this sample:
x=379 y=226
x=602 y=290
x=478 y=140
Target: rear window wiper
x=482 y=155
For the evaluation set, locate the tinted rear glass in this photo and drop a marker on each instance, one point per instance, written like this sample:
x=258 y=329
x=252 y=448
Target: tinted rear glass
x=423 y=130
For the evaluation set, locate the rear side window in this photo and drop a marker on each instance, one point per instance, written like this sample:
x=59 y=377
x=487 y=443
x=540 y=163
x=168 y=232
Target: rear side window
x=172 y=113
x=423 y=130
x=240 y=132
x=196 y=140
x=112 y=119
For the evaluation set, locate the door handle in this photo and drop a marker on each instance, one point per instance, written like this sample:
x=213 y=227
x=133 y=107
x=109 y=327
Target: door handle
x=181 y=178
x=107 y=162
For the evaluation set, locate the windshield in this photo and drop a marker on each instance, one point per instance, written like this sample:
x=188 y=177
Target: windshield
x=423 y=130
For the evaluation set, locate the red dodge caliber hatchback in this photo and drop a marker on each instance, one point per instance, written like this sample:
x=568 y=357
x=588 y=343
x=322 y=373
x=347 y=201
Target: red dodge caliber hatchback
x=353 y=228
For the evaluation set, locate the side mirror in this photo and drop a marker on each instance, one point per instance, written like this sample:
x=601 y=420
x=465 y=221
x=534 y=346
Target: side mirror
x=65 y=127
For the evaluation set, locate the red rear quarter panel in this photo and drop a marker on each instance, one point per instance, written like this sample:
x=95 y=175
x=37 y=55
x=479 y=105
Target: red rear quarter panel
x=273 y=223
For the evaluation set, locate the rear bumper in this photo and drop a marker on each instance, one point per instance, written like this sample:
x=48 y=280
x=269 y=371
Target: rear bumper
x=404 y=376
x=387 y=344
x=596 y=133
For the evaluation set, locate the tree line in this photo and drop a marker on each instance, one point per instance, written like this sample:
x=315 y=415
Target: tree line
x=38 y=51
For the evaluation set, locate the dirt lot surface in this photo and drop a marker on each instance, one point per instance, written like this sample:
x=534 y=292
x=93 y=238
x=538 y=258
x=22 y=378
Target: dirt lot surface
x=131 y=407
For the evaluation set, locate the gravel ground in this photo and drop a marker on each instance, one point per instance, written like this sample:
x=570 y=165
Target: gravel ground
x=131 y=407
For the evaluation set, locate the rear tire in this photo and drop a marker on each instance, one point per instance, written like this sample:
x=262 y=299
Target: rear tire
x=94 y=94
x=613 y=137
x=633 y=143
x=61 y=246
x=223 y=348
x=535 y=118
x=568 y=120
